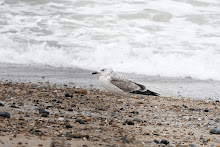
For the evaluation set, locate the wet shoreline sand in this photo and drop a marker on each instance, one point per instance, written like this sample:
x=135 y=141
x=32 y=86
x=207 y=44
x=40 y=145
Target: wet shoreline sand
x=40 y=112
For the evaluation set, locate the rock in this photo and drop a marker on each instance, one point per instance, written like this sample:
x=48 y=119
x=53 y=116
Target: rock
x=70 y=109
x=129 y=122
x=1 y=105
x=192 y=109
x=68 y=126
x=206 y=110
x=68 y=95
x=43 y=111
x=166 y=142
x=5 y=114
x=60 y=119
x=214 y=131
x=81 y=91
x=138 y=120
x=217 y=120
x=156 y=141
x=192 y=145
x=44 y=114
x=125 y=140
x=69 y=134
x=27 y=115
x=59 y=101
x=135 y=112
x=81 y=121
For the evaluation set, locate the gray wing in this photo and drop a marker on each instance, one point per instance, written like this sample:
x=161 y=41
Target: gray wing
x=125 y=84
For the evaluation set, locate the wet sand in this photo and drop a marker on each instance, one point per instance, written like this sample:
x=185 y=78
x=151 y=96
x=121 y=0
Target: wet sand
x=42 y=114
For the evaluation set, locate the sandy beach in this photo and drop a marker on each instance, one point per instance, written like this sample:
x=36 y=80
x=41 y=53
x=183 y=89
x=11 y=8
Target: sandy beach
x=45 y=114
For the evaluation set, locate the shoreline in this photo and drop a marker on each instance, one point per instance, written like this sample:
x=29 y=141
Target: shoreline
x=181 y=88
x=82 y=117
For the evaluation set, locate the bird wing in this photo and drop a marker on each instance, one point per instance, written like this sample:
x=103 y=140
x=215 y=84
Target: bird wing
x=125 y=84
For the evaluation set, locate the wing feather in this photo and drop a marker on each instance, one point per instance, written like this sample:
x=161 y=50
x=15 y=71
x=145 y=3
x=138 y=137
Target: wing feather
x=125 y=84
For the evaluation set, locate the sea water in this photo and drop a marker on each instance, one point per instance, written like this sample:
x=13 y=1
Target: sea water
x=169 y=38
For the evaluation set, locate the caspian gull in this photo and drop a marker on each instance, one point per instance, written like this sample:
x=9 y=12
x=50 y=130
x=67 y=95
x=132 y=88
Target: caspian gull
x=120 y=85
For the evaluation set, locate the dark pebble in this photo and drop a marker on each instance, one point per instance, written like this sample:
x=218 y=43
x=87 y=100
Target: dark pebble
x=206 y=110
x=128 y=122
x=166 y=142
x=192 y=109
x=48 y=107
x=27 y=115
x=156 y=141
x=68 y=126
x=43 y=111
x=68 y=95
x=37 y=131
x=138 y=120
x=70 y=109
x=81 y=121
x=125 y=140
x=44 y=114
x=192 y=145
x=5 y=114
x=54 y=100
x=214 y=131
x=59 y=101
x=217 y=101
x=135 y=112
x=1 y=105
x=217 y=120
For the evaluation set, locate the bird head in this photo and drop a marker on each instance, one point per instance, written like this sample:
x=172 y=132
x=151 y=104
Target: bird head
x=104 y=71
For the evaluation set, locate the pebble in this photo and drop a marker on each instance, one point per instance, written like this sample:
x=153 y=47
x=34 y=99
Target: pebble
x=125 y=139
x=1 y=105
x=68 y=95
x=59 y=101
x=81 y=121
x=166 y=142
x=60 y=119
x=138 y=120
x=70 y=109
x=129 y=122
x=135 y=112
x=43 y=111
x=27 y=115
x=192 y=145
x=214 y=131
x=156 y=141
x=44 y=114
x=206 y=110
x=5 y=114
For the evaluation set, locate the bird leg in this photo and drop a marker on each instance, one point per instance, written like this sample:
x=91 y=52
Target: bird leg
x=115 y=103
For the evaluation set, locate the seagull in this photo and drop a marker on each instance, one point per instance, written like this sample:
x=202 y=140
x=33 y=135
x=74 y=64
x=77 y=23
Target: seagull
x=120 y=85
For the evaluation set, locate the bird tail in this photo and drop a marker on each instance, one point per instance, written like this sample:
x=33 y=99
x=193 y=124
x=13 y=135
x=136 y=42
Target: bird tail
x=147 y=92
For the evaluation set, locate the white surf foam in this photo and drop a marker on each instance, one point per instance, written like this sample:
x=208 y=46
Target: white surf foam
x=172 y=38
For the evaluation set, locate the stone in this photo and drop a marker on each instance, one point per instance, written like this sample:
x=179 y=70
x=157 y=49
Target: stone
x=214 y=131
x=27 y=115
x=81 y=91
x=192 y=145
x=129 y=122
x=44 y=114
x=70 y=109
x=166 y=142
x=1 y=105
x=125 y=139
x=5 y=114
x=138 y=120
x=81 y=121
x=43 y=111
x=68 y=95
x=206 y=110
x=59 y=101
x=156 y=141
x=135 y=112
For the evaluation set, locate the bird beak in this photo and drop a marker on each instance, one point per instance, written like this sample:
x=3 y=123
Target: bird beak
x=95 y=73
